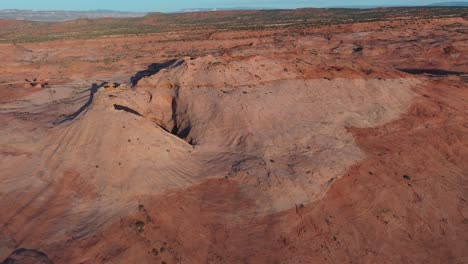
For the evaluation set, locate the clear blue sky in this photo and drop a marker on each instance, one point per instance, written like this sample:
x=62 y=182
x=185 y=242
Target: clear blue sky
x=174 y=5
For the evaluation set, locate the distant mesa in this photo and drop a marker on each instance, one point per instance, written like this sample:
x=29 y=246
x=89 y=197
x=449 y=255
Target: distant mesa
x=459 y=3
x=60 y=15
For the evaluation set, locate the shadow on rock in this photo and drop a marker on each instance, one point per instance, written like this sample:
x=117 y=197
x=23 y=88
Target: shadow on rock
x=94 y=88
x=27 y=256
x=155 y=68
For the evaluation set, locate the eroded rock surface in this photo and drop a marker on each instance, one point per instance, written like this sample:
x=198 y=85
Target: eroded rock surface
x=272 y=148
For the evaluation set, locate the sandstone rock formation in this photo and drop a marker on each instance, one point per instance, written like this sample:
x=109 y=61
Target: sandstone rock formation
x=284 y=148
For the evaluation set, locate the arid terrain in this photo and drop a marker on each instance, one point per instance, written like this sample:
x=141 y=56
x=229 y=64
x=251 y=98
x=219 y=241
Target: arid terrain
x=302 y=136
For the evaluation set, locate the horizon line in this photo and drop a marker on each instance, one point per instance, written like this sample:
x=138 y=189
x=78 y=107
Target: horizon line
x=211 y=9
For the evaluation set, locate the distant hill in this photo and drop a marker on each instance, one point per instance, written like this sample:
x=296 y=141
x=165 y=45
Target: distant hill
x=57 y=16
x=60 y=15
x=447 y=4
x=221 y=20
x=450 y=4
x=188 y=10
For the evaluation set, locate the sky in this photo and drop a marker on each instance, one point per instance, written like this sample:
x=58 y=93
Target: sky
x=175 y=5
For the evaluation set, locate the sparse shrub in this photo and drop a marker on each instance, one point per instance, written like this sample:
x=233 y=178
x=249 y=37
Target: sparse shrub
x=140 y=225
x=155 y=252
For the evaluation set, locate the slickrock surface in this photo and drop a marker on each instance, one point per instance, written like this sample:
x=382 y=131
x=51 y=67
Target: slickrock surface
x=336 y=144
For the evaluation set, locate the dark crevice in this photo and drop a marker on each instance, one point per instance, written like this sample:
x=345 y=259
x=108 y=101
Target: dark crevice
x=126 y=109
x=436 y=72
x=183 y=133
x=181 y=129
x=174 y=106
